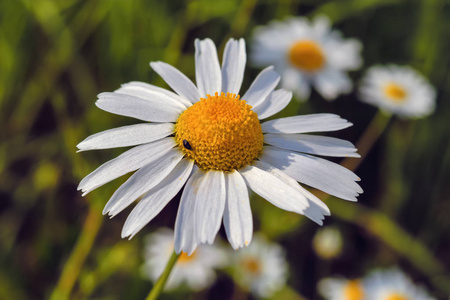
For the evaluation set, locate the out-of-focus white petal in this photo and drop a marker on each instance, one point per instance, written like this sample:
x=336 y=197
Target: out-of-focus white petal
x=330 y=83
x=274 y=190
x=207 y=68
x=125 y=136
x=142 y=181
x=262 y=86
x=312 y=144
x=313 y=171
x=274 y=103
x=155 y=110
x=157 y=198
x=237 y=217
x=182 y=85
x=306 y=123
x=233 y=66
x=128 y=161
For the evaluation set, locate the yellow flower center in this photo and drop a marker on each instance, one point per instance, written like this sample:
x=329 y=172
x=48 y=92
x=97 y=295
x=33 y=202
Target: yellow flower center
x=184 y=258
x=395 y=92
x=396 y=296
x=252 y=265
x=220 y=133
x=353 y=290
x=306 y=55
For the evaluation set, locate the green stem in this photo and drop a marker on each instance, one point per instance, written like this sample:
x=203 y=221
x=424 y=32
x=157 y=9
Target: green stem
x=368 y=139
x=159 y=285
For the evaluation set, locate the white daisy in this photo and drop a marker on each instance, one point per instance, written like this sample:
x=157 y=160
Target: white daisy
x=341 y=289
x=196 y=270
x=393 y=285
x=307 y=54
x=399 y=90
x=260 y=268
x=327 y=242
x=216 y=147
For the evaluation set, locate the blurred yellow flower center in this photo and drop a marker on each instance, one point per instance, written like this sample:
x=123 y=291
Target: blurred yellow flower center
x=353 y=290
x=220 y=133
x=252 y=265
x=396 y=296
x=184 y=258
x=306 y=55
x=395 y=92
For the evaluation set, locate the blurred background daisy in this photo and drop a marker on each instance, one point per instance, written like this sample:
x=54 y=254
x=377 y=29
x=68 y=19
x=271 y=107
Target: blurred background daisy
x=56 y=56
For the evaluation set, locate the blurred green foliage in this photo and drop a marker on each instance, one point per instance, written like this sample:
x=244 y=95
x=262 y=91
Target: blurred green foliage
x=55 y=56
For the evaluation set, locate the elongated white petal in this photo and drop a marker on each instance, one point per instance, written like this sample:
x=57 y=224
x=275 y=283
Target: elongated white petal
x=128 y=161
x=142 y=181
x=125 y=136
x=274 y=190
x=316 y=210
x=233 y=66
x=262 y=86
x=138 y=85
x=312 y=144
x=185 y=238
x=182 y=85
x=157 y=198
x=150 y=95
x=209 y=207
x=155 y=110
x=207 y=68
x=313 y=171
x=306 y=123
x=237 y=217
x=274 y=103
x=330 y=83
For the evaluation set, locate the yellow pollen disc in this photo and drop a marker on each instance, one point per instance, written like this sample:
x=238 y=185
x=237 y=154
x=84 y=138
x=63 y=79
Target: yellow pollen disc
x=396 y=296
x=252 y=265
x=395 y=92
x=353 y=290
x=220 y=133
x=306 y=55
x=184 y=258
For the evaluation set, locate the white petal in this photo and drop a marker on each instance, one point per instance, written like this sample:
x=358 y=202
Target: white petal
x=312 y=144
x=207 y=68
x=182 y=85
x=274 y=103
x=155 y=110
x=185 y=239
x=306 y=123
x=157 y=198
x=297 y=82
x=313 y=171
x=262 y=86
x=330 y=83
x=142 y=181
x=274 y=190
x=209 y=207
x=147 y=91
x=128 y=161
x=316 y=210
x=233 y=66
x=125 y=136
x=237 y=217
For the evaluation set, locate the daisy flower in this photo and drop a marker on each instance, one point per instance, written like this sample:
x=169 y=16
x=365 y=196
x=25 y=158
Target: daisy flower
x=209 y=140
x=196 y=270
x=307 y=54
x=399 y=90
x=261 y=268
x=393 y=285
x=341 y=289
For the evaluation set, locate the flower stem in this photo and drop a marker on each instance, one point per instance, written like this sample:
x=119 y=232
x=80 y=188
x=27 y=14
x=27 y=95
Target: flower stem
x=159 y=285
x=367 y=140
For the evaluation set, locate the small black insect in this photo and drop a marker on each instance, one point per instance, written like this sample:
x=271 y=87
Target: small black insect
x=187 y=145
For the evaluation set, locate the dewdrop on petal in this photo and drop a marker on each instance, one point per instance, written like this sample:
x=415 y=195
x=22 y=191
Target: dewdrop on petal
x=327 y=242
